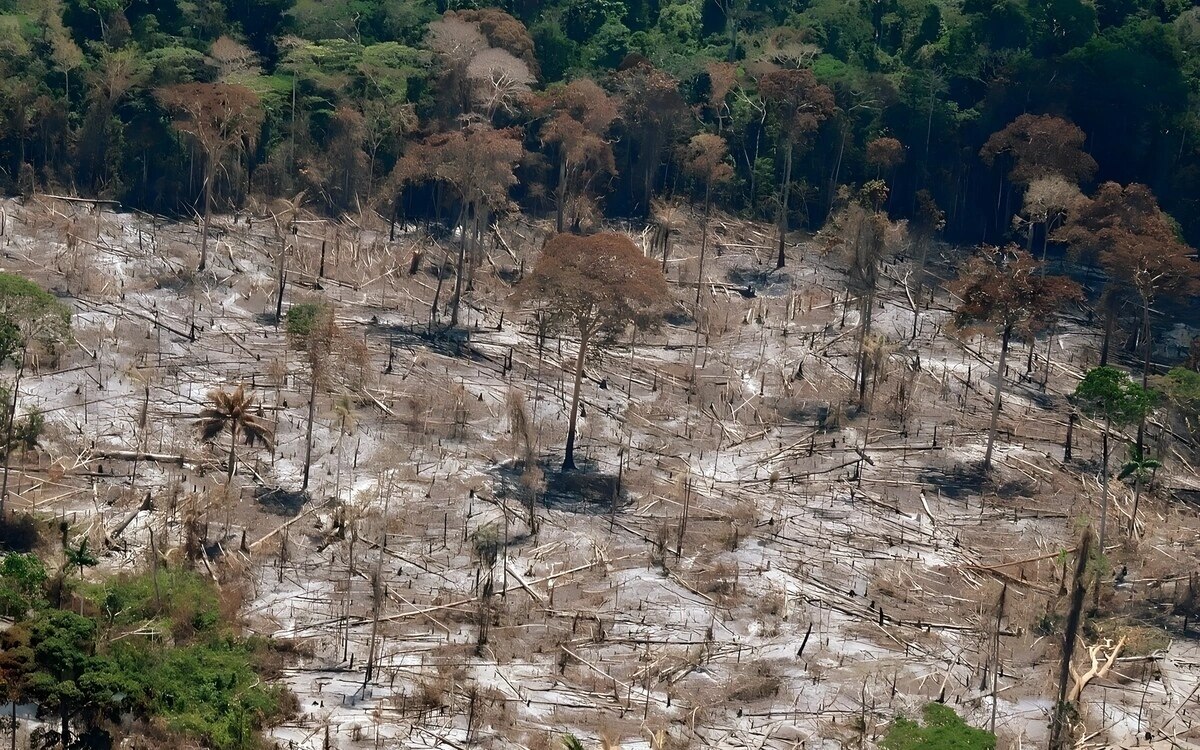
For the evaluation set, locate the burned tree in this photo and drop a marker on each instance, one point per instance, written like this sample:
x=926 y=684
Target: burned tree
x=219 y=118
x=705 y=159
x=580 y=115
x=597 y=286
x=800 y=104
x=477 y=166
x=1136 y=244
x=1004 y=290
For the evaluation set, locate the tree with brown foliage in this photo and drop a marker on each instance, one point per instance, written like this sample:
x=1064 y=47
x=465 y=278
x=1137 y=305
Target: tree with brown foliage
x=487 y=61
x=705 y=159
x=476 y=165
x=1047 y=201
x=722 y=79
x=885 y=154
x=219 y=118
x=653 y=115
x=598 y=286
x=1039 y=146
x=800 y=104
x=1136 y=244
x=580 y=115
x=502 y=31
x=1004 y=290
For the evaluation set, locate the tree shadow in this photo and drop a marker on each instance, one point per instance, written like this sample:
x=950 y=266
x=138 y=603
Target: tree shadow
x=449 y=342
x=958 y=482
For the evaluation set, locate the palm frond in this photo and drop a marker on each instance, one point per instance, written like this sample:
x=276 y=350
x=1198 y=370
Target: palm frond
x=571 y=742
x=211 y=428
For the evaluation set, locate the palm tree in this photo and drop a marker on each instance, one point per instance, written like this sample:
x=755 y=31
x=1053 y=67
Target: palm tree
x=80 y=557
x=233 y=411
x=1141 y=467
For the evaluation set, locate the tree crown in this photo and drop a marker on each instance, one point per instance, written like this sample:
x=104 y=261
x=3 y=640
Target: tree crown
x=600 y=284
x=1110 y=394
x=1004 y=288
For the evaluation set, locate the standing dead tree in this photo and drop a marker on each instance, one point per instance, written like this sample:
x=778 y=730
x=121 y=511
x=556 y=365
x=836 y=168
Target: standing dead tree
x=219 y=118
x=800 y=104
x=477 y=166
x=580 y=116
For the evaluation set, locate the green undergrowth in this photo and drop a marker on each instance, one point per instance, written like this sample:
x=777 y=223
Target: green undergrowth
x=163 y=648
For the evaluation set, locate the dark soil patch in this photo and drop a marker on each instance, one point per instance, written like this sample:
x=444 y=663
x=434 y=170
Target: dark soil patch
x=678 y=317
x=765 y=282
x=279 y=501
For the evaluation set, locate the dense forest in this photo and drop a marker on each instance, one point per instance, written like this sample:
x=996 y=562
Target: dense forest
x=168 y=106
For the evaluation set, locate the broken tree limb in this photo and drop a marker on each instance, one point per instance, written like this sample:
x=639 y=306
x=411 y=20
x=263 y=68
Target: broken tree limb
x=1097 y=669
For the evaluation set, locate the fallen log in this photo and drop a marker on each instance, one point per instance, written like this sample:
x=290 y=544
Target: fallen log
x=145 y=505
x=162 y=458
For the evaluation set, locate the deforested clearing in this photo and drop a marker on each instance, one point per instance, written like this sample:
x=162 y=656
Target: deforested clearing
x=778 y=532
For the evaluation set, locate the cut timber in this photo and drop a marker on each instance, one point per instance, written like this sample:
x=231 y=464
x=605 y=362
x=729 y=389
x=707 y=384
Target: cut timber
x=73 y=199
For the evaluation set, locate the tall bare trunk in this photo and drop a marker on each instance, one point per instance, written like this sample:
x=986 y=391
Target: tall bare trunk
x=308 y=443
x=233 y=431
x=1147 y=349
x=1110 y=320
x=1137 y=498
x=208 y=168
x=1104 y=483
x=784 y=193
x=8 y=430
x=460 y=268
x=561 y=193
x=569 y=459
x=987 y=455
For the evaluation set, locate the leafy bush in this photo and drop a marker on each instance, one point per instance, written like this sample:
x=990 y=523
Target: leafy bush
x=22 y=578
x=182 y=600
x=198 y=679
x=943 y=730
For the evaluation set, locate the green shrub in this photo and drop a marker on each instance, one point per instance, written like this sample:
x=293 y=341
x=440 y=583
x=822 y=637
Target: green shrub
x=943 y=730
x=22 y=582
